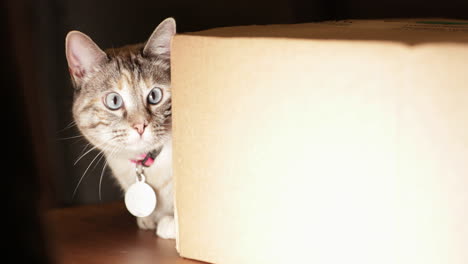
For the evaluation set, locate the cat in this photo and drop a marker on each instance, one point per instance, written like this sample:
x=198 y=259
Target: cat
x=122 y=105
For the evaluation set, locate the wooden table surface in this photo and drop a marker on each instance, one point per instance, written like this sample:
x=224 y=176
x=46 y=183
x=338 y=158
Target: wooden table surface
x=105 y=233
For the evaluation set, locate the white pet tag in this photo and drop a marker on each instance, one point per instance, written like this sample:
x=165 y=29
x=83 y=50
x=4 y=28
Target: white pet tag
x=140 y=198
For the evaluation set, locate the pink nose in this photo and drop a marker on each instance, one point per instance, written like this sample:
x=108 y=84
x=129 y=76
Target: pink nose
x=140 y=127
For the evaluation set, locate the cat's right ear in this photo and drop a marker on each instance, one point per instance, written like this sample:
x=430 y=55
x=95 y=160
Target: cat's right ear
x=159 y=43
x=83 y=55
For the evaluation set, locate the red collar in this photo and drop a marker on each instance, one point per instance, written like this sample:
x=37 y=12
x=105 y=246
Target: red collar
x=147 y=159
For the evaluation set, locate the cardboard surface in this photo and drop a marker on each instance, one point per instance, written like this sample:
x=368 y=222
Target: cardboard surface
x=322 y=144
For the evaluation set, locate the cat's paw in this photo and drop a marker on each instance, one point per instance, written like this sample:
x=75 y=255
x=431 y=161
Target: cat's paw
x=146 y=223
x=166 y=228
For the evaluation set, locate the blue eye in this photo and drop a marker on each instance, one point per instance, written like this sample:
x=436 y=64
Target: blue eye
x=113 y=101
x=155 y=96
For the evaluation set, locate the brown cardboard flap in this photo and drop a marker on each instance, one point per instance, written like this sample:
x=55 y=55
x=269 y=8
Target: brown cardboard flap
x=414 y=31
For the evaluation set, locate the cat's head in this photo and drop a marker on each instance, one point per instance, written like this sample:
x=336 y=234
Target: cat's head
x=122 y=101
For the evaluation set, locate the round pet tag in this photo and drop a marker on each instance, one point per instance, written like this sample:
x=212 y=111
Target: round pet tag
x=140 y=199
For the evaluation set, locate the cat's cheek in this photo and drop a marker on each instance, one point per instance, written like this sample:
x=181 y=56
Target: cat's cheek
x=99 y=143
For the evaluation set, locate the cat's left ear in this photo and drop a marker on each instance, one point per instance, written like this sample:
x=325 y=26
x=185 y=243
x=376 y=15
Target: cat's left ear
x=159 y=44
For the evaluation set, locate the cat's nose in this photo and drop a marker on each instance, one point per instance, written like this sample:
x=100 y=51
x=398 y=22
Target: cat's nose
x=140 y=127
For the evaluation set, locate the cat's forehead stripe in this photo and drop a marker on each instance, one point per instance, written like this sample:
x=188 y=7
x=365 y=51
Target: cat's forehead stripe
x=126 y=76
x=120 y=84
x=129 y=82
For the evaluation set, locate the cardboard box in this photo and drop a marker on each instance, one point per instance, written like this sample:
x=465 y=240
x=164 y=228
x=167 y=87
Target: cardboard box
x=336 y=142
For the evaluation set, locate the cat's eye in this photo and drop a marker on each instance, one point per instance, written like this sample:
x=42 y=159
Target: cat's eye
x=113 y=101
x=155 y=96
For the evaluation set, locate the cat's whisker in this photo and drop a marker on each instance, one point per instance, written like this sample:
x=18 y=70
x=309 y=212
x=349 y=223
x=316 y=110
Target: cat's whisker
x=87 y=145
x=70 y=125
x=82 y=136
x=99 y=160
x=103 y=169
x=113 y=151
x=100 y=180
x=83 y=153
x=94 y=147
x=72 y=137
x=82 y=176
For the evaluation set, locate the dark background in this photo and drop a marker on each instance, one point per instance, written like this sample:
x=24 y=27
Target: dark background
x=35 y=33
x=39 y=171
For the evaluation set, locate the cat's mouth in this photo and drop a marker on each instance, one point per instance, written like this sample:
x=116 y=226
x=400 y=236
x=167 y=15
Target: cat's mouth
x=140 y=144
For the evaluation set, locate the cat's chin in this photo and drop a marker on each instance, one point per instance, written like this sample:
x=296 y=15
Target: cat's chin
x=132 y=151
x=128 y=154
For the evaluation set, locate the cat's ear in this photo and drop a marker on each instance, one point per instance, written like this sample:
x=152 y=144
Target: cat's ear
x=159 y=44
x=83 y=55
